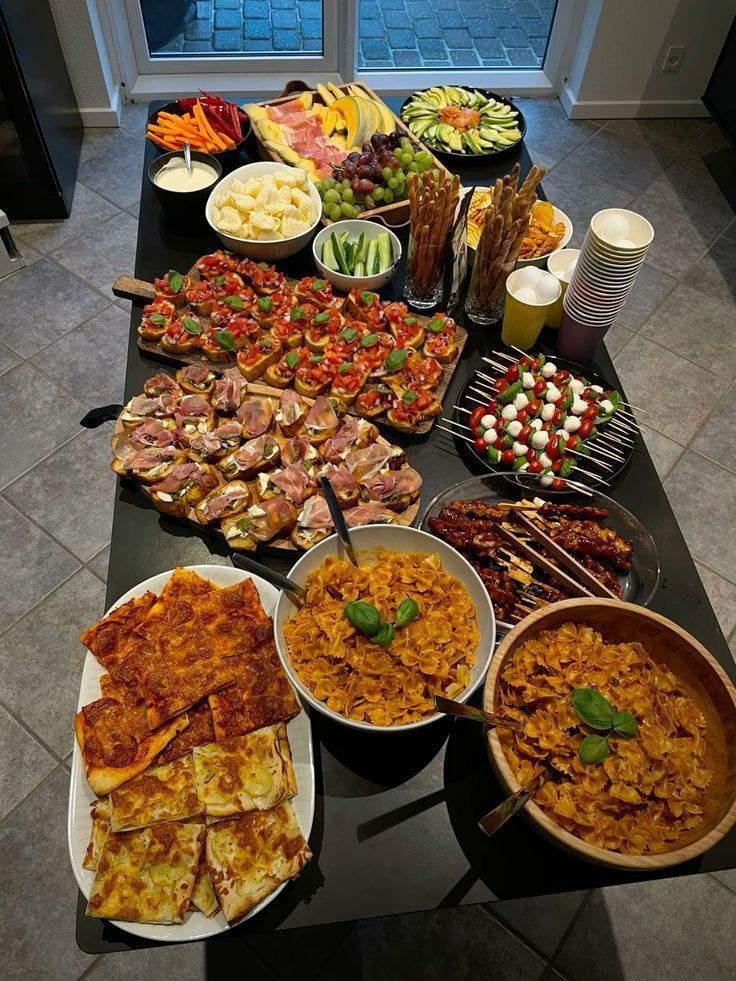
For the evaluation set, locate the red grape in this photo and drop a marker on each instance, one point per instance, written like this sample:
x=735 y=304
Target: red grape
x=365 y=187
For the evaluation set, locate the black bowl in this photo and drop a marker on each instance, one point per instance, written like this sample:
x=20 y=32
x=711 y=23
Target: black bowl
x=229 y=159
x=189 y=205
x=469 y=158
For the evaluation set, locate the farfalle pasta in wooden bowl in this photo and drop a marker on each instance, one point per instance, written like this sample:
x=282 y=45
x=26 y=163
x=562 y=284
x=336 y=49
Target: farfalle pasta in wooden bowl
x=371 y=646
x=629 y=723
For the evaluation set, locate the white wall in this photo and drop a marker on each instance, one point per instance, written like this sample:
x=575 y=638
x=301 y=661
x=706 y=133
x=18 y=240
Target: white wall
x=94 y=79
x=617 y=69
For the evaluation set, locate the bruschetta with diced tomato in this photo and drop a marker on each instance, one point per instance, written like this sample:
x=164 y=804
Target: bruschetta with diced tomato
x=314 y=376
x=216 y=263
x=182 y=336
x=267 y=309
x=441 y=339
x=156 y=318
x=217 y=345
x=365 y=306
x=347 y=382
x=253 y=359
x=373 y=351
x=173 y=287
x=316 y=291
x=419 y=372
x=413 y=407
x=264 y=279
x=373 y=401
x=325 y=326
x=283 y=373
x=289 y=327
x=346 y=343
x=408 y=331
x=201 y=297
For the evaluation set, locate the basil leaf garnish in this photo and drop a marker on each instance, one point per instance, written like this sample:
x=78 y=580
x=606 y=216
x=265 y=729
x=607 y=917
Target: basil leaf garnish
x=593 y=749
x=157 y=318
x=406 y=611
x=410 y=321
x=594 y=710
x=317 y=285
x=174 y=280
x=219 y=280
x=408 y=397
x=363 y=616
x=264 y=266
x=382 y=389
x=369 y=340
x=395 y=360
x=265 y=303
x=234 y=302
x=349 y=334
x=321 y=318
x=436 y=324
x=291 y=359
x=625 y=725
x=297 y=313
x=225 y=339
x=191 y=326
x=384 y=635
x=316 y=358
x=367 y=297
x=345 y=366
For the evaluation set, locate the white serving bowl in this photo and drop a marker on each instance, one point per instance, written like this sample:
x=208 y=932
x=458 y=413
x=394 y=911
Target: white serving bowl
x=272 y=249
x=354 y=226
x=395 y=538
x=541 y=260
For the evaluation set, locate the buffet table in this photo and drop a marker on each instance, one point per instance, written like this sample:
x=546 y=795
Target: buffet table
x=395 y=826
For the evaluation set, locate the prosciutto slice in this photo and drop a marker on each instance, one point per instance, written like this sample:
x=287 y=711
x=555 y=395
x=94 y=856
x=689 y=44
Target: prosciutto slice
x=150 y=457
x=291 y=407
x=372 y=513
x=195 y=373
x=296 y=450
x=160 y=384
x=384 y=485
x=279 y=515
x=256 y=415
x=337 y=447
x=252 y=452
x=229 y=391
x=408 y=480
x=219 y=503
x=205 y=444
x=143 y=405
x=369 y=461
x=151 y=433
x=322 y=415
x=192 y=406
x=341 y=480
x=295 y=482
x=315 y=514
x=181 y=473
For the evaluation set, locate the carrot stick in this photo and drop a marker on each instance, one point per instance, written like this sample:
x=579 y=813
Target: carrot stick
x=205 y=126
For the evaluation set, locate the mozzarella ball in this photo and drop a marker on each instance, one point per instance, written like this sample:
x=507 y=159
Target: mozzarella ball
x=490 y=436
x=596 y=388
x=548 y=412
x=488 y=421
x=520 y=449
x=514 y=428
x=553 y=394
x=527 y=278
x=536 y=424
x=540 y=439
x=606 y=406
x=572 y=424
x=549 y=369
x=545 y=461
x=523 y=467
x=546 y=479
x=576 y=386
x=521 y=401
x=508 y=413
x=578 y=406
x=527 y=379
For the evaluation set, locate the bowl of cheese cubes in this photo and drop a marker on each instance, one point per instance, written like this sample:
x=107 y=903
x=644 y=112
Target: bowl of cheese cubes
x=264 y=210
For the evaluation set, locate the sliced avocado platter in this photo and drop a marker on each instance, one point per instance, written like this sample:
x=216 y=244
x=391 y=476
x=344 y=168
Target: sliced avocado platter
x=487 y=124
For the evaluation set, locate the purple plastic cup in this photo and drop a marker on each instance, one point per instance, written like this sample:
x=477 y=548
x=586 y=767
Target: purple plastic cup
x=577 y=340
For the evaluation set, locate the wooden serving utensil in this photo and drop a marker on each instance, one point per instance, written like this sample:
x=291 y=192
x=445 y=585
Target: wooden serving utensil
x=450 y=707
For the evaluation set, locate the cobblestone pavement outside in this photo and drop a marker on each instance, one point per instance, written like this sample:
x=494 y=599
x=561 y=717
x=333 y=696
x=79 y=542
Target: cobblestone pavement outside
x=391 y=33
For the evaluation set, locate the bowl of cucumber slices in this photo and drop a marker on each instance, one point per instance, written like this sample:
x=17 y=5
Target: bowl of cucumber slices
x=463 y=123
x=356 y=254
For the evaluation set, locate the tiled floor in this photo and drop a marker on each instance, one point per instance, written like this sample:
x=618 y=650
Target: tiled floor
x=65 y=352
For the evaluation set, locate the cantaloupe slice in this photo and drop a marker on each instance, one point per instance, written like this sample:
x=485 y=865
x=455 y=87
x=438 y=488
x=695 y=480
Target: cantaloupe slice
x=327 y=97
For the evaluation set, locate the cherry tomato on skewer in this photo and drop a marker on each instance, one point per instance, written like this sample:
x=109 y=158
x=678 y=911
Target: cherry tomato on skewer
x=535 y=466
x=512 y=373
x=591 y=412
x=475 y=417
x=586 y=427
x=479 y=445
x=557 y=483
x=508 y=457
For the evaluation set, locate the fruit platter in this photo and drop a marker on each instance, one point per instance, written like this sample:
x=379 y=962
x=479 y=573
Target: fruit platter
x=350 y=143
x=463 y=122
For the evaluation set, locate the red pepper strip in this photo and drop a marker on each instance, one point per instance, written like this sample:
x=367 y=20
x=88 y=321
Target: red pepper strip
x=235 y=121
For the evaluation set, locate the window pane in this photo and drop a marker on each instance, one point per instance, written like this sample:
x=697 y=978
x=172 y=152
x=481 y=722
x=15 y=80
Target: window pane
x=453 y=33
x=208 y=28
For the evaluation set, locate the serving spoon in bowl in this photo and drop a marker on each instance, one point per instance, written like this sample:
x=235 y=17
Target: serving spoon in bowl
x=338 y=520
x=270 y=575
x=450 y=707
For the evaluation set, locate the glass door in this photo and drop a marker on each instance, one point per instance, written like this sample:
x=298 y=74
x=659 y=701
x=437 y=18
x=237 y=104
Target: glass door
x=233 y=36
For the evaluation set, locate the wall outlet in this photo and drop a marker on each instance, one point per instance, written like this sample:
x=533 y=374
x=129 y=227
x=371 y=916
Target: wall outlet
x=674 y=58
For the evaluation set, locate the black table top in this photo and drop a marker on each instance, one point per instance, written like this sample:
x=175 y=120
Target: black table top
x=395 y=826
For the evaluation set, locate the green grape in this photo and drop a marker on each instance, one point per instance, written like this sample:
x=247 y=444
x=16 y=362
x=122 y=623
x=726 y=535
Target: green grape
x=400 y=177
x=387 y=173
x=346 y=182
x=348 y=210
x=331 y=196
x=388 y=195
x=334 y=212
x=369 y=202
x=414 y=166
x=392 y=183
x=406 y=158
x=423 y=157
x=378 y=193
x=348 y=195
x=436 y=173
x=405 y=143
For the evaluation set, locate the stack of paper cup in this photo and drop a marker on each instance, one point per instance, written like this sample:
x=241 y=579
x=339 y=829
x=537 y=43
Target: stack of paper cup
x=612 y=255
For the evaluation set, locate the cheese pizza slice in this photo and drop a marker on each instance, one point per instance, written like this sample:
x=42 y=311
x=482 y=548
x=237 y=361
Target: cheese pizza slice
x=249 y=856
x=203 y=896
x=115 y=739
x=260 y=696
x=108 y=640
x=199 y=731
x=196 y=645
x=246 y=773
x=100 y=811
x=147 y=876
x=160 y=793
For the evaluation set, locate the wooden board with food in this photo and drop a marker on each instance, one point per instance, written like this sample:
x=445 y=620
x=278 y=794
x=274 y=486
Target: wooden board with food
x=376 y=358
x=243 y=460
x=352 y=144
x=192 y=785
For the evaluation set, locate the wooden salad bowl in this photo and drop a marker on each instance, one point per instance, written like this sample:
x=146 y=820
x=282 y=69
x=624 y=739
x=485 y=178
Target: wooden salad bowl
x=700 y=673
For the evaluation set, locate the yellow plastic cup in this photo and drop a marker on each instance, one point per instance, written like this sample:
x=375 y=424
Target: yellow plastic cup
x=522 y=320
x=559 y=265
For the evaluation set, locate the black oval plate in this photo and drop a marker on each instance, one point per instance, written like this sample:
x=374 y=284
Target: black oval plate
x=471 y=157
x=467 y=452
x=223 y=155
